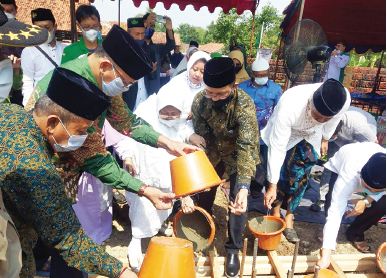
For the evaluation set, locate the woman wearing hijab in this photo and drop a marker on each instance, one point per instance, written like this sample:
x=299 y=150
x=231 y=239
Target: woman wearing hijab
x=189 y=82
x=239 y=63
x=165 y=114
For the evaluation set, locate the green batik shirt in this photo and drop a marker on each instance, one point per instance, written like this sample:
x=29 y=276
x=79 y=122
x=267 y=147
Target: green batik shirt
x=93 y=157
x=34 y=197
x=231 y=133
x=75 y=50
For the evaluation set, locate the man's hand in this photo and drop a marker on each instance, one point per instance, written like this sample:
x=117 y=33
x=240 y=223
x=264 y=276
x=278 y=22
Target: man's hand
x=187 y=205
x=168 y=23
x=359 y=209
x=197 y=141
x=239 y=206
x=270 y=195
x=154 y=66
x=175 y=148
x=325 y=259
x=16 y=63
x=129 y=166
x=158 y=198
x=324 y=147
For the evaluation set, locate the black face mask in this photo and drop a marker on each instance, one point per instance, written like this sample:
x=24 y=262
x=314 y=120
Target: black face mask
x=223 y=102
x=238 y=68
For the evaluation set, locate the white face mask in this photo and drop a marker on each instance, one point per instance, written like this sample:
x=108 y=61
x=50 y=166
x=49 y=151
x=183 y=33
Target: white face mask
x=6 y=78
x=74 y=142
x=175 y=123
x=91 y=35
x=114 y=87
x=261 y=80
x=10 y=16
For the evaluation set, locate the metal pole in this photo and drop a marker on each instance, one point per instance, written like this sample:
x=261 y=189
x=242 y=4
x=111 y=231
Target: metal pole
x=294 y=259
x=255 y=250
x=244 y=250
x=119 y=13
x=378 y=73
x=74 y=35
x=253 y=29
x=300 y=18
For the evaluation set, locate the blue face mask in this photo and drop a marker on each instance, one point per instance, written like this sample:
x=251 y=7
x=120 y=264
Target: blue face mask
x=74 y=142
x=140 y=43
x=149 y=33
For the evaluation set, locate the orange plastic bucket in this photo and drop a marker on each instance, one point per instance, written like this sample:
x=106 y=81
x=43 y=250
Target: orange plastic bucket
x=268 y=229
x=197 y=227
x=381 y=257
x=323 y=273
x=192 y=173
x=168 y=257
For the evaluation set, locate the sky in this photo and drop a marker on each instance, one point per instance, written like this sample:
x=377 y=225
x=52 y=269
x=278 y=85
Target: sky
x=109 y=11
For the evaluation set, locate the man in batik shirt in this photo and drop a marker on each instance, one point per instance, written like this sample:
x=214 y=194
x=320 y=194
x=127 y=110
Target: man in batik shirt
x=225 y=117
x=32 y=189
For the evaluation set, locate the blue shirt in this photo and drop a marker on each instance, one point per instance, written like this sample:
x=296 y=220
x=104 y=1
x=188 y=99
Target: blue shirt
x=265 y=99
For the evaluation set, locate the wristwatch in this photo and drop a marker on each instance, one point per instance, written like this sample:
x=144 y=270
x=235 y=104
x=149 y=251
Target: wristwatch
x=367 y=203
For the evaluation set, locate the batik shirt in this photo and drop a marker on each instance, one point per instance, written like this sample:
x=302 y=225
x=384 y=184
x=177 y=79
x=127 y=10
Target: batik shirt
x=93 y=157
x=33 y=194
x=231 y=133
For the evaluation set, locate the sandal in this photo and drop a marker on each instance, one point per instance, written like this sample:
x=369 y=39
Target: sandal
x=361 y=246
x=291 y=235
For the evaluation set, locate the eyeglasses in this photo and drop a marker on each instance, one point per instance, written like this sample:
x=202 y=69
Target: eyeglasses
x=98 y=28
x=116 y=72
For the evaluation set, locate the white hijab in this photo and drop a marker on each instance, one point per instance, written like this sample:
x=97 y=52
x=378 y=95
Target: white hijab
x=181 y=86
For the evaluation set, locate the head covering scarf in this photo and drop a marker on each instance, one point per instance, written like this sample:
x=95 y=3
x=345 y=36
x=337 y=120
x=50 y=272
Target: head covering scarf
x=242 y=75
x=181 y=87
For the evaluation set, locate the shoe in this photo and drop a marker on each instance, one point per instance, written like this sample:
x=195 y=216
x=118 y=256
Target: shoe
x=232 y=265
x=291 y=235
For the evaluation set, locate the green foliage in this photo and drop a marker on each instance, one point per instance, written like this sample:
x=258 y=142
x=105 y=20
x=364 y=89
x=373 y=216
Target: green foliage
x=368 y=59
x=236 y=29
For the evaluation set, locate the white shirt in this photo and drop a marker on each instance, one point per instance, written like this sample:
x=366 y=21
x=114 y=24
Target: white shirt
x=35 y=65
x=291 y=122
x=347 y=163
x=336 y=63
x=357 y=126
x=141 y=93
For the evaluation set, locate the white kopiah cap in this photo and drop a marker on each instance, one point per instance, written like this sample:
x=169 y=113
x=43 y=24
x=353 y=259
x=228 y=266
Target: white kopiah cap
x=260 y=64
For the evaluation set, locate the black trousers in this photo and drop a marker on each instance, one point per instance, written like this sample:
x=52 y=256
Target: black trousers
x=58 y=267
x=364 y=221
x=236 y=223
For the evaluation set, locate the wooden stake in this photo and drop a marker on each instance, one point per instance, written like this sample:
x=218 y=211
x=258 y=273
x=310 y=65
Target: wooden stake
x=275 y=262
x=255 y=250
x=211 y=255
x=244 y=250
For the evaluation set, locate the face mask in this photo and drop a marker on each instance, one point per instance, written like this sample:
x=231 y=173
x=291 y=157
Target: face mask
x=10 y=16
x=238 y=68
x=91 y=35
x=172 y=123
x=51 y=36
x=261 y=80
x=114 y=87
x=140 y=43
x=74 y=142
x=6 y=78
x=149 y=33
x=221 y=103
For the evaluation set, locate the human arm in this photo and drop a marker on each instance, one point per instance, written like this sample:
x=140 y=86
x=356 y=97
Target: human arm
x=340 y=61
x=247 y=141
x=28 y=68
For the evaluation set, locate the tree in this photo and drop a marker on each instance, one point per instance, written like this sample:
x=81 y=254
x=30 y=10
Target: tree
x=233 y=28
x=188 y=33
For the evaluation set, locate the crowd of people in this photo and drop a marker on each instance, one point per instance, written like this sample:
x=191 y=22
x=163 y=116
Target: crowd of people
x=106 y=115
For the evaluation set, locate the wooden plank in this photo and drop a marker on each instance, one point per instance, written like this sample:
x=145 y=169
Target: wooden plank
x=212 y=263
x=336 y=268
x=276 y=263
